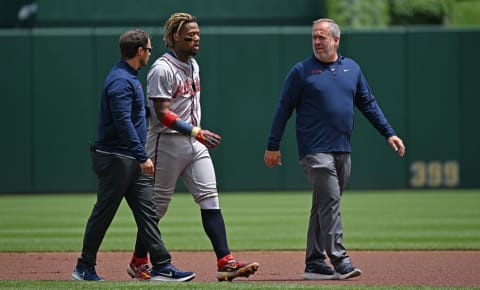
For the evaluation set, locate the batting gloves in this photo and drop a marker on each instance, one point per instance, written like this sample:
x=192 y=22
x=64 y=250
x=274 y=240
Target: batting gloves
x=207 y=138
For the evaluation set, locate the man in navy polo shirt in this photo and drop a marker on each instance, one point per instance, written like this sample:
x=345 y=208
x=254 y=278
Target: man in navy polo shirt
x=122 y=165
x=324 y=89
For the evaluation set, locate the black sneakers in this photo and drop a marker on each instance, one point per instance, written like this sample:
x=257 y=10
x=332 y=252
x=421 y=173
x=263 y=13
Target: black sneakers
x=325 y=272
x=319 y=272
x=346 y=271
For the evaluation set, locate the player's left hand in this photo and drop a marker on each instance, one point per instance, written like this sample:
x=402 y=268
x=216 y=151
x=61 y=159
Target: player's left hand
x=397 y=145
x=209 y=139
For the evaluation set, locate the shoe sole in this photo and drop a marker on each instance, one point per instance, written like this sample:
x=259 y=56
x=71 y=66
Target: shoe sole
x=355 y=273
x=76 y=277
x=316 y=276
x=245 y=271
x=134 y=275
x=166 y=279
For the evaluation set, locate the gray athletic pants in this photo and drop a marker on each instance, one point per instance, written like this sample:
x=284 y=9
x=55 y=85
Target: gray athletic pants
x=177 y=156
x=328 y=174
x=119 y=177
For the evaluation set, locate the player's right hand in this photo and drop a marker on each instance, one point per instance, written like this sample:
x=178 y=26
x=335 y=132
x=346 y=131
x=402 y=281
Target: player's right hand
x=147 y=167
x=209 y=139
x=272 y=158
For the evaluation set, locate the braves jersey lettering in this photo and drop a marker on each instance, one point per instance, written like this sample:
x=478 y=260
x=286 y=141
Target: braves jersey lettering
x=178 y=82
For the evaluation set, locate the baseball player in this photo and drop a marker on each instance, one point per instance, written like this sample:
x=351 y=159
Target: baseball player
x=179 y=147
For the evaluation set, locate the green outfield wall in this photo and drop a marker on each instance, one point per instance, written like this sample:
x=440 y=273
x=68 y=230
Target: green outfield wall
x=111 y=13
x=153 y=12
x=424 y=79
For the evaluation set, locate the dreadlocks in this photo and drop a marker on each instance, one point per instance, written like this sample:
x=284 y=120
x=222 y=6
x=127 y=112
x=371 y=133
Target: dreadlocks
x=173 y=26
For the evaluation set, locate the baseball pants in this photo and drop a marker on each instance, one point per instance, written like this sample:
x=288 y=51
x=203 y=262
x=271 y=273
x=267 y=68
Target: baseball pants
x=176 y=156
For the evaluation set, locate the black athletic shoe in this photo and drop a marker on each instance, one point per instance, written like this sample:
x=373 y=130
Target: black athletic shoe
x=346 y=271
x=319 y=272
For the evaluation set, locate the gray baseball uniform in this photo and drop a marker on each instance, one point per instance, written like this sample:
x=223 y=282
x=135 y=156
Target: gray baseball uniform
x=176 y=155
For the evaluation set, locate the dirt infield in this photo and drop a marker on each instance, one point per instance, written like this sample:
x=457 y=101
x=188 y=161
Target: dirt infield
x=414 y=268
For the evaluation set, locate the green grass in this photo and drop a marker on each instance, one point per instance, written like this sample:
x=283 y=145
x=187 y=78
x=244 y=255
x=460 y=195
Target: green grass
x=381 y=220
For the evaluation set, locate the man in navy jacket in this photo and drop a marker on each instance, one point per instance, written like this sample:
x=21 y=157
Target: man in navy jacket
x=122 y=165
x=324 y=89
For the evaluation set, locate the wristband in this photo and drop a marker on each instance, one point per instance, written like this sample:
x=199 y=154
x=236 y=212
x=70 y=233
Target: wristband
x=172 y=121
x=169 y=118
x=195 y=131
x=182 y=127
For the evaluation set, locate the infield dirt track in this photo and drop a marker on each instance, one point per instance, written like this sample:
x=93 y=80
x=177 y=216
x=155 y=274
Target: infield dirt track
x=414 y=268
